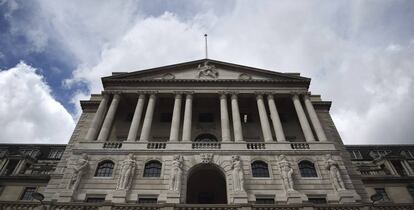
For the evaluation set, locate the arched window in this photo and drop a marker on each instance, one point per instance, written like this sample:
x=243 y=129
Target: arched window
x=152 y=169
x=307 y=169
x=105 y=169
x=260 y=169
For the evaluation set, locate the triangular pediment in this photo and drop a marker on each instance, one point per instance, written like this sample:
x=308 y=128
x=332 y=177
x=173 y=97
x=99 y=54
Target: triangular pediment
x=206 y=69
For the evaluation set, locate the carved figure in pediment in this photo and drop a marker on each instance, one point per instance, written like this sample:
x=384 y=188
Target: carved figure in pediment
x=176 y=173
x=245 y=76
x=78 y=171
x=334 y=173
x=168 y=76
x=286 y=173
x=237 y=173
x=206 y=157
x=127 y=173
x=208 y=71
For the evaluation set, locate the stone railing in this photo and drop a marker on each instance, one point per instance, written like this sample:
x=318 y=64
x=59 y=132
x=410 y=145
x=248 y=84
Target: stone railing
x=372 y=172
x=206 y=145
x=156 y=145
x=256 y=146
x=19 y=205
x=299 y=146
x=112 y=145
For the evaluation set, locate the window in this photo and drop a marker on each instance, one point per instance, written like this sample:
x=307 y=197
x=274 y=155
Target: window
x=55 y=154
x=30 y=152
x=317 y=200
x=152 y=169
x=147 y=200
x=205 y=117
x=383 y=193
x=11 y=166
x=265 y=201
x=27 y=193
x=399 y=168
x=95 y=199
x=260 y=169
x=166 y=117
x=105 y=169
x=410 y=154
x=307 y=169
x=356 y=154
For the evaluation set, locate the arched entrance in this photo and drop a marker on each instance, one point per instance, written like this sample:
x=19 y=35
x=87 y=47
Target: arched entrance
x=206 y=184
x=205 y=137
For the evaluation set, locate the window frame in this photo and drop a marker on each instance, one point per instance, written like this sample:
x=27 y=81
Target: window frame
x=102 y=163
x=23 y=193
x=253 y=169
x=383 y=191
x=356 y=155
x=146 y=175
x=314 y=167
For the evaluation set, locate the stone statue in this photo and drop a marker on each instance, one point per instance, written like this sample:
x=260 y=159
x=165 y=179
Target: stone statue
x=238 y=176
x=334 y=173
x=176 y=173
x=286 y=173
x=78 y=171
x=207 y=71
x=127 y=173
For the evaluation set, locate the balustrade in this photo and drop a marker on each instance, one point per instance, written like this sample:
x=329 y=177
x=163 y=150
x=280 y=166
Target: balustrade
x=206 y=145
x=112 y=145
x=156 y=145
x=299 y=146
x=256 y=146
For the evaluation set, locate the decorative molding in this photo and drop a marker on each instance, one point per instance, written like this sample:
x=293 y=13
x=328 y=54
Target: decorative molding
x=168 y=76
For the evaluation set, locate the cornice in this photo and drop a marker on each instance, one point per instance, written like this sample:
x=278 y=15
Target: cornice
x=284 y=81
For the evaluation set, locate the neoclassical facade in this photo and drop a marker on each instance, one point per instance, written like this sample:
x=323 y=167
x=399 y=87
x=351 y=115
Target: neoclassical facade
x=208 y=132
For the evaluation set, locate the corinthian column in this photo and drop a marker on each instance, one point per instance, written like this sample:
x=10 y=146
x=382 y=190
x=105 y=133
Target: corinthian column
x=187 y=118
x=110 y=116
x=136 y=119
x=264 y=121
x=146 y=127
x=175 y=124
x=304 y=124
x=98 y=118
x=224 y=117
x=237 y=127
x=277 y=125
x=315 y=120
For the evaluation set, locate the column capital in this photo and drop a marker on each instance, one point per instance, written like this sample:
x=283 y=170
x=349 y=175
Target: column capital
x=259 y=97
x=178 y=96
x=270 y=97
x=234 y=96
x=179 y=92
x=141 y=96
x=152 y=96
x=112 y=92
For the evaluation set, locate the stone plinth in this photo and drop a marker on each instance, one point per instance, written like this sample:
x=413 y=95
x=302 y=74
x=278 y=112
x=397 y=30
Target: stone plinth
x=239 y=197
x=173 y=197
x=119 y=196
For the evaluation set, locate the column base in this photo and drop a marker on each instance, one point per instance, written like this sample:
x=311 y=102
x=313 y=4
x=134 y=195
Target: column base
x=238 y=197
x=173 y=197
x=119 y=196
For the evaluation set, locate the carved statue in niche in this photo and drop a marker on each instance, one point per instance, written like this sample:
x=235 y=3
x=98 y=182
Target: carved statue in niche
x=127 y=173
x=176 y=173
x=78 y=171
x=334 y=173
x=208 y=71
x=286 y=173
x=238 y=176
x=206 y=157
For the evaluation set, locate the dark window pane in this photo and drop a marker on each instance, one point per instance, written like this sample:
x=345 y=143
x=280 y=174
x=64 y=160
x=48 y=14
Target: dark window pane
x=147 y=200
x=307 y=169
x=105 y=169
x=317 y=200
x=152 y=169
x=27 y=193
x=383 y=193
x=265 y=201
x=260 y=169
x=95 y=199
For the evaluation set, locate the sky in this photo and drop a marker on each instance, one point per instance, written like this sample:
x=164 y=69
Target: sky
x=359 y=54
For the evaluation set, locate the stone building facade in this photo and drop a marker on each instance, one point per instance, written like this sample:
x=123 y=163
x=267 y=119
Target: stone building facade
x=213 y=133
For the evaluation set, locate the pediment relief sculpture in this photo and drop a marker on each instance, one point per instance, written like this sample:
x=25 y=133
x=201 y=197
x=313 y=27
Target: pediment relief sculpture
x=207 y=71
x=206 y=158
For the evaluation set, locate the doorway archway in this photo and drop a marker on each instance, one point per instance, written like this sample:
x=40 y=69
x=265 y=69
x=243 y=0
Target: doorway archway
x=206 y=184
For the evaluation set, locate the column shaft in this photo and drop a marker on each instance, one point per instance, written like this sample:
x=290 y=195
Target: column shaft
x=97 y=119
x=110 y=116
x=237 y=127
x=187 y=118
x=136 y=119
x=175 y=124
x=224 y=117
x=264 y=120
x=315 y=120
x=277 y=125
x=149 y=114
x=304 y=124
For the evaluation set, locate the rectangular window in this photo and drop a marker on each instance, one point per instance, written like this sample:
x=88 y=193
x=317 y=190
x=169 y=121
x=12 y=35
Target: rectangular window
x=27 y=193
x=205 y=117
x=356 y=154
x=265 y=201
x=98 y=199
x=55 y=154
x=383 y=193
x=317 y=200
x=410 y=154
x=166 y=117
x=11 y=165
x=147 y=200
x=399 y=168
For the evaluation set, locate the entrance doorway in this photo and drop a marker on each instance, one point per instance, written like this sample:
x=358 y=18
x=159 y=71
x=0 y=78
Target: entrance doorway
x=206 y=185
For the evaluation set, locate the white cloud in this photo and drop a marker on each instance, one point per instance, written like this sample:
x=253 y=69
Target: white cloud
x=29 y=113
